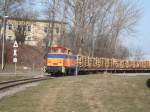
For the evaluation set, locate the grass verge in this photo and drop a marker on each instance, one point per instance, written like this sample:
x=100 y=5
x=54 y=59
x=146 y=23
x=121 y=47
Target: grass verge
x=8 y=78
x=93 y=93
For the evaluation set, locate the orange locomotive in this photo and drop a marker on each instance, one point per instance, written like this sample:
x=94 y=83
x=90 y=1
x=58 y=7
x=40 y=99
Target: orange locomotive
x=61 y=60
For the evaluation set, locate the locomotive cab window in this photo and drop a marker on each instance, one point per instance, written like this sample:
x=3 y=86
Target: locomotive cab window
x=69 y=52
x=63 y=51
x=59 y=51
x=54 y=50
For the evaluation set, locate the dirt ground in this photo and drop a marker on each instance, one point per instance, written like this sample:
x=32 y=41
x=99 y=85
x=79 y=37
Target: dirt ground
x=92 y=93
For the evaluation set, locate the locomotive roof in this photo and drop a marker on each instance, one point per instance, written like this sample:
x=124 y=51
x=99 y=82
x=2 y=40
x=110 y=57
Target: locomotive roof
x=60 y=47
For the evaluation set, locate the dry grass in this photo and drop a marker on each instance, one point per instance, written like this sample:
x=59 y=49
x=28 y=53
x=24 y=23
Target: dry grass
x=7 y=78
x=94 y=93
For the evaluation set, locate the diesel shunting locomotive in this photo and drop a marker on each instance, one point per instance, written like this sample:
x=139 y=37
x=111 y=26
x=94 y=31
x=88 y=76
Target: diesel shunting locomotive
x=61 y=60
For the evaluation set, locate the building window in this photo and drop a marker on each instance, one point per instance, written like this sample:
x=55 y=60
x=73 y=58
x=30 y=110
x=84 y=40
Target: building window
x=62 y=32
x=9 y=38
x=10 y=26
x=28 y=38
x=57 y=30
x=24 y=28
x=29 y=28
x=45 y=29
x=19 y=27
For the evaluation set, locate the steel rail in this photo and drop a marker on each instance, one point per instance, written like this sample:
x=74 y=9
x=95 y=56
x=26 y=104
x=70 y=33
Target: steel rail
x=21 y=82
x=11 y=81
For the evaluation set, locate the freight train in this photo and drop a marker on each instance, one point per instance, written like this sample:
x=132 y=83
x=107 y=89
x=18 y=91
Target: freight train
x=62 y=61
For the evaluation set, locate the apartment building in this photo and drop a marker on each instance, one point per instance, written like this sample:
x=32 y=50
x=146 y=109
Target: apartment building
x=35 y=30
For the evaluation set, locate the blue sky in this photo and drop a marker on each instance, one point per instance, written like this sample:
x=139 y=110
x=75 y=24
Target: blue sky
x=142 y=39
x=144 y=28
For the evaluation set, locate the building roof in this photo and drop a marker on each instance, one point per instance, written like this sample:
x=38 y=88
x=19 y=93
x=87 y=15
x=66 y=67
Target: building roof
x=36 y=20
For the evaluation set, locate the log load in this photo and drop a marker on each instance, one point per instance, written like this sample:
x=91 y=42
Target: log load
x=86 y=62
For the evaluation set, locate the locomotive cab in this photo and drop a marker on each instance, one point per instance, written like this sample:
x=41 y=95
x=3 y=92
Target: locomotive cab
x=59 y=50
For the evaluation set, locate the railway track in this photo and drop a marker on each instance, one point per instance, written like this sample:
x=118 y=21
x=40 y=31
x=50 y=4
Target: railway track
x=13 y=83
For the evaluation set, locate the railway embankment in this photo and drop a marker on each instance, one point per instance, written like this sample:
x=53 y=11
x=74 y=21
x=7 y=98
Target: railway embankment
x=27 y=55
x=12 y=86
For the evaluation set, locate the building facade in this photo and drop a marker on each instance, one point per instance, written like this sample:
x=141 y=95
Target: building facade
x=35 y=30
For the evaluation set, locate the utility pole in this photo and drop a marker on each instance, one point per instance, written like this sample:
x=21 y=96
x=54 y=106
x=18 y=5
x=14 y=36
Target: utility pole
x=53 y=23
x=4 y=34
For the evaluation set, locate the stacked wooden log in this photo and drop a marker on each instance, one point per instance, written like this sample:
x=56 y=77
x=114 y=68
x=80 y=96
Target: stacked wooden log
x=106 y=63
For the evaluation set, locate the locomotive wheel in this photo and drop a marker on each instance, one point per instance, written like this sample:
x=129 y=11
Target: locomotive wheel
x=148 y=83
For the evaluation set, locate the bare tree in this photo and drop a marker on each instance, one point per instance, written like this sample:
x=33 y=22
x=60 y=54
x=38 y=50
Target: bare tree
x=9 y=6
x=23 y=25
x=92 y=20
x=51 y=12
x=138 y=54
x=18 y=10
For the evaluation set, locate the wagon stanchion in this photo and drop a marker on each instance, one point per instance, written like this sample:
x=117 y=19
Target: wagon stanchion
x=76 y=69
